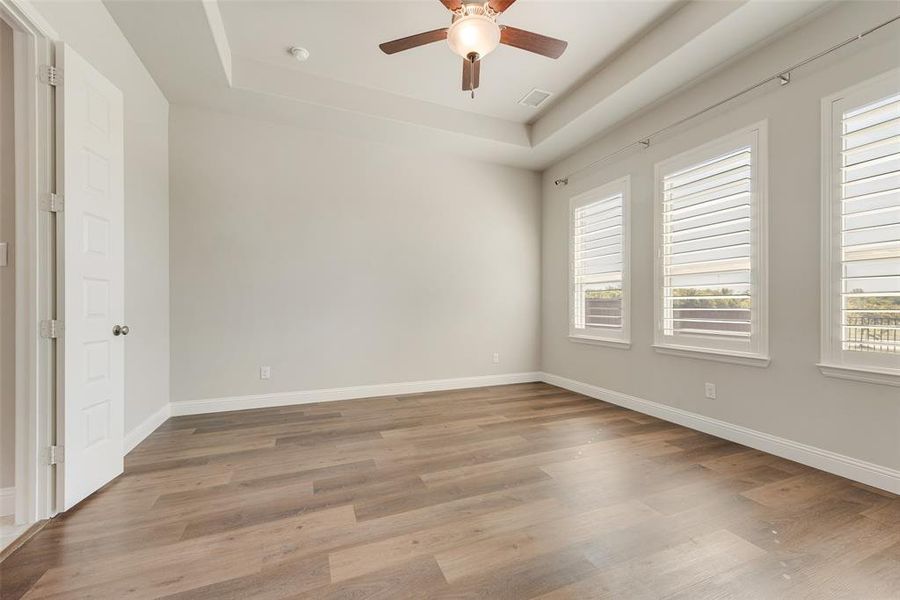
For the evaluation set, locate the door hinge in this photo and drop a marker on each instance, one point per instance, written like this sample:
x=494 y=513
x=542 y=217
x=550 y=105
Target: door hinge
x=51 y=75
x=56 y=455
x=54 y=203
x=51 y=328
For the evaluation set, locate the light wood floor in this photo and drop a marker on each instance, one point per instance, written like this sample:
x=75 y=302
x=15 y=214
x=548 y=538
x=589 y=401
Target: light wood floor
x=520 y=491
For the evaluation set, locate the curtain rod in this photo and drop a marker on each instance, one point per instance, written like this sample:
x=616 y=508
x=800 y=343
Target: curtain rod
x=783 y=77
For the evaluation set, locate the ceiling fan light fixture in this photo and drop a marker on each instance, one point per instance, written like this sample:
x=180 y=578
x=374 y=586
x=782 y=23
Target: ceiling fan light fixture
x=477 y=34
x=474 y=33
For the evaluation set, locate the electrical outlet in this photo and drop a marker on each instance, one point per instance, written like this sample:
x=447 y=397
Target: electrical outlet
x=496 y=358
x=265 y=372
x=711 y=391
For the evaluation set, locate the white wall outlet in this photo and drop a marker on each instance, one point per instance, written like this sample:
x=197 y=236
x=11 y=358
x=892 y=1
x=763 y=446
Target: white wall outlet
x=495 y=358
x=711 y=391
x=265 y=372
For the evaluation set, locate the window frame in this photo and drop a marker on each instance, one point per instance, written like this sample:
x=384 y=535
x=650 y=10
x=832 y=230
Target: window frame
x=755 y=351
x=620 y=339
x=834 y=361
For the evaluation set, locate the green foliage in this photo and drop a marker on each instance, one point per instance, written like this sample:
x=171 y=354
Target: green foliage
x=874 y=319
x=607 y=294
x=873 y=302
x=737 y=302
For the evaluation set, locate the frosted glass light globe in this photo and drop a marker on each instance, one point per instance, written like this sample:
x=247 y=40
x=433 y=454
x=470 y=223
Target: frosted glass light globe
x=474 y=33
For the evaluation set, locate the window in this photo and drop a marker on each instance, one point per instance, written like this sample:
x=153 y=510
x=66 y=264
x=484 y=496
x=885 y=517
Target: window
x=598 y=283
x=861 y=232
x=710 y=242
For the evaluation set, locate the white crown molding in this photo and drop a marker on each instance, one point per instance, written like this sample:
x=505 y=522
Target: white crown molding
x=838 y=464
x=213 y=405
x=148 y=426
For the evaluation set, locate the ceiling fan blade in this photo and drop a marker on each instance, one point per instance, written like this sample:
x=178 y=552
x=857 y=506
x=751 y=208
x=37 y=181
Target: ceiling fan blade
x=500 y=5
x=413 y=41
x=471 y=75
x=452 y=4
x=533 y=42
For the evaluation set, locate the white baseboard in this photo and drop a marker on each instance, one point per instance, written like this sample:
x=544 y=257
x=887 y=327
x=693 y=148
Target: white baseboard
x=213 y=405
x=148 y=426
x=858 y=470
x=7 y=501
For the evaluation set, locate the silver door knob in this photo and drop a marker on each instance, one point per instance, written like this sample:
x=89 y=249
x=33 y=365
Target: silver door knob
x=120 y=330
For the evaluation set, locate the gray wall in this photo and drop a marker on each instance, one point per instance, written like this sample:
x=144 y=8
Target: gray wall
x=88 y=28
x=790 y=398
x=341 y=262
x=8 y=273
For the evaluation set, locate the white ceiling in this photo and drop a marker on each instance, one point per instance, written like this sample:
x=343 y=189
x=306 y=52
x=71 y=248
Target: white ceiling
x=343 y=39
x=622 y=56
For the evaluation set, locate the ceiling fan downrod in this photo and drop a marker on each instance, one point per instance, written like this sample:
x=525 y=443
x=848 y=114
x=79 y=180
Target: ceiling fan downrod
x=474 y=33
x=472 y=57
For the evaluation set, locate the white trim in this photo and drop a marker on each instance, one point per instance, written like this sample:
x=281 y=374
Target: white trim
x=148 y=426
x=7 y=501
x=825 y=460
x=595 y=341
x=736 y=358
x=26 y=14
x=864 y=374
x=858 y=470
x=834 y=361
x=616 y=338
x=35 y=268
x=214 y=405
x=757 y=345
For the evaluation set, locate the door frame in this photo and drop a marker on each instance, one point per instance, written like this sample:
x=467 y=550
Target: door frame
x=35 y=259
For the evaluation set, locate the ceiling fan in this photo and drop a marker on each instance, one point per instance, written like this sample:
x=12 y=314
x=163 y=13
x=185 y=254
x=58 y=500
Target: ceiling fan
x=474 y=33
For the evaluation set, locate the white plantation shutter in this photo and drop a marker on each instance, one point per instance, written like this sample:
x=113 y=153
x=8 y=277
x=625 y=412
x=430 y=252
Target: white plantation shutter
x=706 y=247
x=862 y=210
x=598 y=263
x=870 y=227
x=708 y=232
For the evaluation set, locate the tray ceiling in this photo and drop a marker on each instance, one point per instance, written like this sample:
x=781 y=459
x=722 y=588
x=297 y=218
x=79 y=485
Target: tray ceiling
x=622 y=56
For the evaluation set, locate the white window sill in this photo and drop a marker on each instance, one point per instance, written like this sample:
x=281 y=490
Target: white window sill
x=583 y=339
x=736 y=358
x=865 y=374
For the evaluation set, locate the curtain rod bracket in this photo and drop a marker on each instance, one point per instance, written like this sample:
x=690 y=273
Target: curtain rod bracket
x=563 y=181
x=645 y=143
x=784 y=78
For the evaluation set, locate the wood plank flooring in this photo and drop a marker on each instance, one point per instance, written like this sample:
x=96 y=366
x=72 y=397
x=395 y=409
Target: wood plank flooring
x=521 y=491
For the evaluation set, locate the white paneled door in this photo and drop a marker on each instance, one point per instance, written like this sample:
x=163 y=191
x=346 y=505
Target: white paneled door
x=90 y=175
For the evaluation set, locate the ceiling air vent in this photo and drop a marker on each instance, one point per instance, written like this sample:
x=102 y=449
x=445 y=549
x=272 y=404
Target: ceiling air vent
x=535 y=98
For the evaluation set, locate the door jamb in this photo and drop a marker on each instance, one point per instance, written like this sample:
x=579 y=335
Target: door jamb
x=35 y=254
